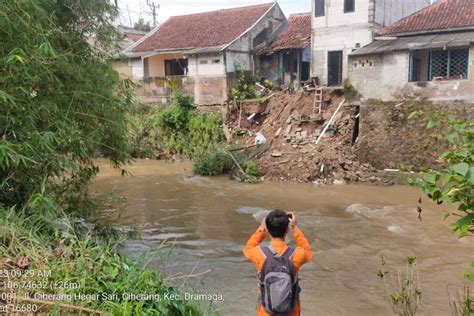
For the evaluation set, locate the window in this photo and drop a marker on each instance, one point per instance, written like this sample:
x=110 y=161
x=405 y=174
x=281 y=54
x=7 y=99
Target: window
x=319 y=8
x=349 y=6
x=203 y=62
x=439 y=65
x=449 y=64
x=176 y=67
x=216 y=61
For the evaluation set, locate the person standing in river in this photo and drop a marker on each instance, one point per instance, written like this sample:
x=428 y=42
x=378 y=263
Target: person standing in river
x=278 y=264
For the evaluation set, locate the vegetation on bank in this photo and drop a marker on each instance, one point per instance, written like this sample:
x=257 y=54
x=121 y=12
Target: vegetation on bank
x=181 y=130
x=178 y=129
x=78 y=264
x=61 y=104
x=453 y=184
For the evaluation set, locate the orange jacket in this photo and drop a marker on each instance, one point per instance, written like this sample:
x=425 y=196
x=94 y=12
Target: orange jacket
x=302 y=255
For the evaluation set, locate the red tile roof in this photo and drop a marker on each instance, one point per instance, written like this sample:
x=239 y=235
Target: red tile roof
x=134 y=37
x=445 y=14
x=297 y=34
x=208 y=29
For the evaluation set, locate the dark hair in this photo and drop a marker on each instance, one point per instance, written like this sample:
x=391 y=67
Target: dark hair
x=277 y=223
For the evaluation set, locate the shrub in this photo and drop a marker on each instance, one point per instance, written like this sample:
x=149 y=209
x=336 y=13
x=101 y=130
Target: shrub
x=213 y=164
x=245 y=86
x=146 y=140
x=187 y=132
x=251 y=168
x=403 y=290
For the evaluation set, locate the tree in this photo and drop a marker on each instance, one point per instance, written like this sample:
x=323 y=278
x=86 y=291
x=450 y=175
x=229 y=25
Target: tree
x=142 y=26
x=61 y=101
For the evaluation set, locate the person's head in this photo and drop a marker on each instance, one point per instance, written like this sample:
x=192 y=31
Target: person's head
x=277 y=223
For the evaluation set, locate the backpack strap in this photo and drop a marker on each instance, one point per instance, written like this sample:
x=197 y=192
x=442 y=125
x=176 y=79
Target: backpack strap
x=289 y=252
x=268 y=252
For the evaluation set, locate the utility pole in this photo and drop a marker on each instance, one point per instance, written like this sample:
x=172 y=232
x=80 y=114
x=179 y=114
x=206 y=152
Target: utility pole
x=153 y=7
x=129 y=16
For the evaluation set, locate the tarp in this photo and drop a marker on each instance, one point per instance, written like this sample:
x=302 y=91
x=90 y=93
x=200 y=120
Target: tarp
x=428 y=41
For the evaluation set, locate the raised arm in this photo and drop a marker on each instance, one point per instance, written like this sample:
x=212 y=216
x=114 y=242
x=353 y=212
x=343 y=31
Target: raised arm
x=251 y=249
x=303 y=253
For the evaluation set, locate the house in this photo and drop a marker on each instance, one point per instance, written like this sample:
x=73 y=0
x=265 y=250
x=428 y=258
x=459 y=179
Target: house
x=122 y=64
x=428 y=54
x=198 y=52
x=341 y=26
x=287 y=59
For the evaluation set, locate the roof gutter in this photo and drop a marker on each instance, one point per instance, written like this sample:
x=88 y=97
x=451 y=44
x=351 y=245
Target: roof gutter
x=251 y=27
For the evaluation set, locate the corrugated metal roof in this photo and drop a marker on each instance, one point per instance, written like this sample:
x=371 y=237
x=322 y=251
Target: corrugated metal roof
x=417 y=42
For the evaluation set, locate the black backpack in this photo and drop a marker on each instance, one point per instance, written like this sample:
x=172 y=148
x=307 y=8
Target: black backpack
x=278 y=282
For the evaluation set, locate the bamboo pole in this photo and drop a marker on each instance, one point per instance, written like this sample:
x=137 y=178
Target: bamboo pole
x=330 y=121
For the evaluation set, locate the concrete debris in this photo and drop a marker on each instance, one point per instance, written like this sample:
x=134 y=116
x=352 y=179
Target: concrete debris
x=332 y=161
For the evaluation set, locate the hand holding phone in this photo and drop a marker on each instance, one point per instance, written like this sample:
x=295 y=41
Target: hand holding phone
x=292 y=218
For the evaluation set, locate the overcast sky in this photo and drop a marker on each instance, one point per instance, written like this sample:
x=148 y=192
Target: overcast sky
x=135 y=9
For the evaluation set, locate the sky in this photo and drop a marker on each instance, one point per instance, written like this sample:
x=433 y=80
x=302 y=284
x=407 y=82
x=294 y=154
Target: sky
x=132 y=10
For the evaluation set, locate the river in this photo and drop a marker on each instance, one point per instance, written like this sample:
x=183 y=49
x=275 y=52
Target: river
x=206 y=222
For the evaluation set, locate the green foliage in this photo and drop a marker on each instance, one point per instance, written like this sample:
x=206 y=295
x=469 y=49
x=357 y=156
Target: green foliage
x=88 y=267
x=213 y=164
x=61 y=102
x=251 y=171
x=290 y=87
x=245 y=86
x=187 y=132
x=463 y=303
x=404 y=290
x=268 y=84
x=454 y=182
x=145 y=137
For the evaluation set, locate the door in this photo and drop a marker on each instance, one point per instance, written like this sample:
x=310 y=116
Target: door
x=335 y=68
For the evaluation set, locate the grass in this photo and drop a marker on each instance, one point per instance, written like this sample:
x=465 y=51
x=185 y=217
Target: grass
x=78 y=265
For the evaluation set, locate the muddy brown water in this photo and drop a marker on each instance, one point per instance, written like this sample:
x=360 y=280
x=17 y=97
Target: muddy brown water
x=206 y=222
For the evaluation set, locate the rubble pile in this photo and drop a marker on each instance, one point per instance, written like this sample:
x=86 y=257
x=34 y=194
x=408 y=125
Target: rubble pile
x=291 y=127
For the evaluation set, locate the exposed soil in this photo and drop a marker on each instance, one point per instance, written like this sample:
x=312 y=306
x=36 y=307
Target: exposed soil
x=291 y=127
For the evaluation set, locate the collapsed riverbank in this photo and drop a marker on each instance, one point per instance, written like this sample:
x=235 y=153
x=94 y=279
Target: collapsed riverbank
x=299 y=145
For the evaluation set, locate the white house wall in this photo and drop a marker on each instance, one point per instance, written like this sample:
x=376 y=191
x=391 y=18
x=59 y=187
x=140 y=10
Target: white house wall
x=137 y=68
x=385 y=77
x=339 y=31
x=335 y=16
x=337 y=39
x=206 y=65
x=207 y=79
